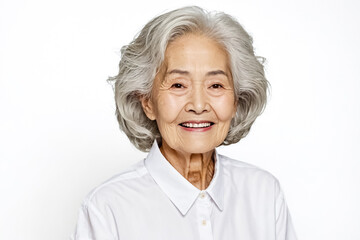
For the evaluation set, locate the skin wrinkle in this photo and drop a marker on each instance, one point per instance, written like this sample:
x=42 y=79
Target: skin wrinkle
x=204 y=92
x=199 y=168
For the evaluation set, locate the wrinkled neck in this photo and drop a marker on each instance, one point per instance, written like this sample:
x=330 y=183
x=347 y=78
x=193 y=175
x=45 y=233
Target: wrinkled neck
x=197 y=168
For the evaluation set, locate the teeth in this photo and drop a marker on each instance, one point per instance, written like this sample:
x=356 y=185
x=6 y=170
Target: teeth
x=196 y=125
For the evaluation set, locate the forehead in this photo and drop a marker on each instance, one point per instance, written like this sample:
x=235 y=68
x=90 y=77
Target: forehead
x=196 y=52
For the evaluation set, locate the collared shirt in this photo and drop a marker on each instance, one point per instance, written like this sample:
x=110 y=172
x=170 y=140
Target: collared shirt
x=153 y=201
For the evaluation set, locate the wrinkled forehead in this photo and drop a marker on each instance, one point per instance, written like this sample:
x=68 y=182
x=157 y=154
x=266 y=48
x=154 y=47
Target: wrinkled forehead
x=194 y=52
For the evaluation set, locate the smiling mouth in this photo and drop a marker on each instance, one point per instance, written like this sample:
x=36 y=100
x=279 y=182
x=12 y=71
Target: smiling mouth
x=196 y=125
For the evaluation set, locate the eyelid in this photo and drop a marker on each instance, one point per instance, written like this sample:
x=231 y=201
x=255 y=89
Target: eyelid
x=177 y=80
x=218 y=86
x=177 y=83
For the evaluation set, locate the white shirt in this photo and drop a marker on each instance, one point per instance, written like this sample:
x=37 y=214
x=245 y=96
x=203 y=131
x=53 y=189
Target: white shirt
x=152 y=201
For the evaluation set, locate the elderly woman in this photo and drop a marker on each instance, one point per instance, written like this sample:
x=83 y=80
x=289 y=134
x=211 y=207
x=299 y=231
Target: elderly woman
x=188 y=83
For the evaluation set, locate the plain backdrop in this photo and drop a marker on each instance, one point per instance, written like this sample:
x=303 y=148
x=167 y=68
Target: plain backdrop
x=59 y=137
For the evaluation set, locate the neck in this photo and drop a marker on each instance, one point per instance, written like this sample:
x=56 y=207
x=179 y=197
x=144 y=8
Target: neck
x=197 y=168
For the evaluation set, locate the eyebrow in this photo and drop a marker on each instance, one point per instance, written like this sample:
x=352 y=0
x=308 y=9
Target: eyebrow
x=211 y=73
x=217 y=72
x=178 y=71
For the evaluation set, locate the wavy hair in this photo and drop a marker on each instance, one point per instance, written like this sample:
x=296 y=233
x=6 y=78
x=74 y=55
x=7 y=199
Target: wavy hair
x=142 y=58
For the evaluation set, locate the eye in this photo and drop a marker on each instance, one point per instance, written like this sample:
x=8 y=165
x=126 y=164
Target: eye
x=177 y=85
x=216 y=85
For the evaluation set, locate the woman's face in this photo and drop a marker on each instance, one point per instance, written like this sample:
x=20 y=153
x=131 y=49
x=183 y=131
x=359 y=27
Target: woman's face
x=192 y=98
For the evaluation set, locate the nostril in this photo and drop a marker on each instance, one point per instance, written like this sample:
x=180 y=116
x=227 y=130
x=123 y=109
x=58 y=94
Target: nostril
x=197 y=101
x=197 y=107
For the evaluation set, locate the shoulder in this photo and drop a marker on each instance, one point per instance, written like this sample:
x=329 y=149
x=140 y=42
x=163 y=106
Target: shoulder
x=118 y=184
x=238 y=170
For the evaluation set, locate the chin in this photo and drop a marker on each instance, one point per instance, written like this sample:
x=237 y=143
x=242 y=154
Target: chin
x=199 y=147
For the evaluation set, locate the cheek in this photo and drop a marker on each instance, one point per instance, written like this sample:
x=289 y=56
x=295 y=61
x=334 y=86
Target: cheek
x=224 y=107
x=169 y=108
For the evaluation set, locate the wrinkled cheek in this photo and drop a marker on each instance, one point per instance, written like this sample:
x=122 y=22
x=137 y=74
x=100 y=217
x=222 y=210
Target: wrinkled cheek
x=169 y=109
x=169 y=116
x=224 y=109
x=223 y=131
x=170 y=133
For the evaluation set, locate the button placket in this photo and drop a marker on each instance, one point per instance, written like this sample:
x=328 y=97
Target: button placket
x=204 y=210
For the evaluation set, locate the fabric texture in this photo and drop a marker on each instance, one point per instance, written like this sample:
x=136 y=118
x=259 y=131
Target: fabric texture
x=153 y=201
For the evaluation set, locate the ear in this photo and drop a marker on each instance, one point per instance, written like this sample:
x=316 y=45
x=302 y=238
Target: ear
x=148 y=107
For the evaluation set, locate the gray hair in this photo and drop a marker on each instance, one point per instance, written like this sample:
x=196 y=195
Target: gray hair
x=142 y=58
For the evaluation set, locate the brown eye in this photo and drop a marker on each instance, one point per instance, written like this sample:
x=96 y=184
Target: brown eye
x=216 y=86
x=177 y=85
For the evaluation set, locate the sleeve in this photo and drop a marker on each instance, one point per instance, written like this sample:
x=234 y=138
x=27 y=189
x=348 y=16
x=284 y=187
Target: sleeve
x=284 y=227
x=93 y=225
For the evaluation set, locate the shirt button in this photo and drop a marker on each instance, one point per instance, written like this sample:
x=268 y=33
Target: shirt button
x=203 y=222
x=202 y=195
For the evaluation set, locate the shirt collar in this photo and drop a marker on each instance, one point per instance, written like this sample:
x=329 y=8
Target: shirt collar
x=179 y=190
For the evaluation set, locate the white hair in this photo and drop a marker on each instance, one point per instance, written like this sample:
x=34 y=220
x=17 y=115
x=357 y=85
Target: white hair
x=142 y=58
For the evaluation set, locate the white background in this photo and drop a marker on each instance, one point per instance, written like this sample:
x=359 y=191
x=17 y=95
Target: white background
x=59 y=137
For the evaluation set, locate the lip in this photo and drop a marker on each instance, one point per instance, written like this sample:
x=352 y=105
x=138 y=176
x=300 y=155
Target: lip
x=196 y=126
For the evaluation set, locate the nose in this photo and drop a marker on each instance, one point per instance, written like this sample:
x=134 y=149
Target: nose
x=198 y=101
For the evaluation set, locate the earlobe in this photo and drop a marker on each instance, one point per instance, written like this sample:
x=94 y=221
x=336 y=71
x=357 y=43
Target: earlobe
x=148 y=107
